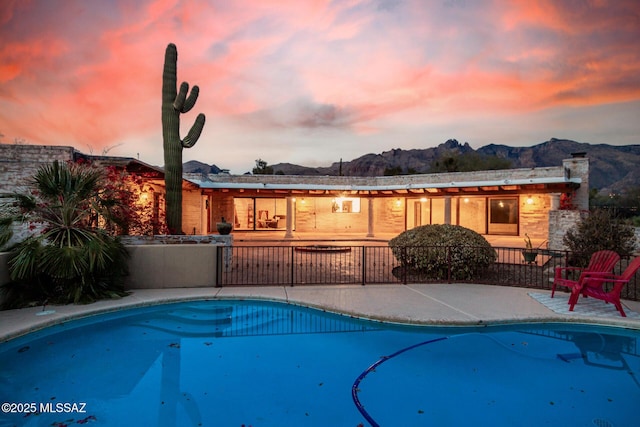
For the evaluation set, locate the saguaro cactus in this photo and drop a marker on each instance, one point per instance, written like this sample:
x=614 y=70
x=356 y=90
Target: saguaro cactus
x=174 y=103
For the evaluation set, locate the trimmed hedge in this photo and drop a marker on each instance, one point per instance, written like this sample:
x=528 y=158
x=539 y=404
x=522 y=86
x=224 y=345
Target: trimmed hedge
x=429 y=250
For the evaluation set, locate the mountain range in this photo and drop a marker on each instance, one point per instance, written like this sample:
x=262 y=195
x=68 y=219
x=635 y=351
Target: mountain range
x=612 y=168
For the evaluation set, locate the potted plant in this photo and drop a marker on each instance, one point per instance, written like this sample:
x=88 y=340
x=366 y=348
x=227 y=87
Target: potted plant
x=529 y=252
x=224 y=227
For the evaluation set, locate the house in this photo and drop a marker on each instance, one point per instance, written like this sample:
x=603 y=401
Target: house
x=502 y=202
x=19 y=163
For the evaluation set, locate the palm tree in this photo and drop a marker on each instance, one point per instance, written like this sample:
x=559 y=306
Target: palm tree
x=72 y=258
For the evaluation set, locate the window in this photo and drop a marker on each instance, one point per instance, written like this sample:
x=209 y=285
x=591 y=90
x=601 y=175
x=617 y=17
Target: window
x=260 y=213
x=345 y=205
x=503 y=215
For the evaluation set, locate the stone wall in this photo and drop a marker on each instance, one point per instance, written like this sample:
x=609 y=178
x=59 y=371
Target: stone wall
x=534 y=216
x=439 y=178
x=559 y=222
x=186 y=239
x=578 y=167
x=18 y=163
x=389 y=215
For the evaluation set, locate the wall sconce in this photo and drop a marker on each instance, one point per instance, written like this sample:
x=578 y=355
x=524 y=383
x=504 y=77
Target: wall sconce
x=529 y=200
x=302 y=201
x=466 y=200
x=398 y=202
x=423 y=199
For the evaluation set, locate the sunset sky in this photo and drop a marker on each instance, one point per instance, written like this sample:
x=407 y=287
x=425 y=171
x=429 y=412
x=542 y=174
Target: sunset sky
x=311 y=82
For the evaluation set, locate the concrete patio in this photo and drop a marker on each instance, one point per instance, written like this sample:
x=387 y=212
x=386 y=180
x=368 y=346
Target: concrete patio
x=428 y=304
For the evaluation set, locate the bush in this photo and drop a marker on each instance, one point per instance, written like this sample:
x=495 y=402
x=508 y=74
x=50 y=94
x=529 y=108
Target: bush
x=71 y=259
x=600 y=230
x=429 y=250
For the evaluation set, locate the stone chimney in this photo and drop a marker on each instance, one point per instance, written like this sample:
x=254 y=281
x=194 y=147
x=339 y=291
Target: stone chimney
x=578 y=167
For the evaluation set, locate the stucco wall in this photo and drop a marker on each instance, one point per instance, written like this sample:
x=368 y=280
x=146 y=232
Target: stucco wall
x=171 y=266
x=161 y=266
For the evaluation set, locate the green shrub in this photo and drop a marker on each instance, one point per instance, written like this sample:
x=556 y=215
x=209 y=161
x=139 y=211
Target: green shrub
x=429 y=250
x=70 y=259
x=600 y=230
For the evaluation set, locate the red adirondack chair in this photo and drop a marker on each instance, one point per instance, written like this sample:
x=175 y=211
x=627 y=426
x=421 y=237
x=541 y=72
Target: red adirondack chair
x=592 y=286
x=600 y=262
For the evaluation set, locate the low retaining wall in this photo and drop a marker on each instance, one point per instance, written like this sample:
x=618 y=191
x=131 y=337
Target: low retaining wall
x=171 y=266
x=157 y=266
x=183 y=239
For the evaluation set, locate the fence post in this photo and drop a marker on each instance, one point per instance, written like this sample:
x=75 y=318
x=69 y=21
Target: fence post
x=448 y=249
x=293 y=269
x=219 y=262
x=404 y=264
x=364 y=266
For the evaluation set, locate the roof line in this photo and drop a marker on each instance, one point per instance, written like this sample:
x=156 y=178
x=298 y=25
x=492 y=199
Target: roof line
x=351 y=187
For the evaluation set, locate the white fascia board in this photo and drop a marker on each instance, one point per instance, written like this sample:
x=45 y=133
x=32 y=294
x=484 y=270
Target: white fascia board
x=334 y=187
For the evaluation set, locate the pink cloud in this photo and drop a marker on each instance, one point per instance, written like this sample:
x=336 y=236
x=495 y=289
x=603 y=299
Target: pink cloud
x=91 y=74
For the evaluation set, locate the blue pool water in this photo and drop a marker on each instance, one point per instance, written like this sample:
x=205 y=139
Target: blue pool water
x=234 y=363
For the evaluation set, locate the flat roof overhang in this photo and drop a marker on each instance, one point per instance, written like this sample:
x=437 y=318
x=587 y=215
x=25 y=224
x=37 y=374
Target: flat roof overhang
x=470 y=188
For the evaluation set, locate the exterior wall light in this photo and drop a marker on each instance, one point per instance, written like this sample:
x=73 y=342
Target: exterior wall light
x=529 y=200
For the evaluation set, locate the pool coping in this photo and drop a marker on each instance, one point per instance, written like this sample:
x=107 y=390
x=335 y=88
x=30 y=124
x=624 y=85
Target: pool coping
x=454 y=305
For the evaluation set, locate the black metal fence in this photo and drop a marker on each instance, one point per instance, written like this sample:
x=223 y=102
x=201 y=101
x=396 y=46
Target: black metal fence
x=364 y=265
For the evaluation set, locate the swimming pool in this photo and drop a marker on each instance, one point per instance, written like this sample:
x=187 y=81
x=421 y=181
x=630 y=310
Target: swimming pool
x=234 y=363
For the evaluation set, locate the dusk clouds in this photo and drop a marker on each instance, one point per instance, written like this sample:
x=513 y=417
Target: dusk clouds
x=311 y=82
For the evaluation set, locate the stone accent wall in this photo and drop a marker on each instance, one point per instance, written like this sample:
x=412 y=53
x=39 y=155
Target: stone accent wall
x=534 y=217
x=388 y=216
x=439 y=178
x=18 y=163
x=315 y=215
x=559 y=222
x=170 y=239
x=578 y=167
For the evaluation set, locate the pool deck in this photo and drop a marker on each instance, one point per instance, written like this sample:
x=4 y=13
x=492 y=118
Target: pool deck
x=429 y=304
